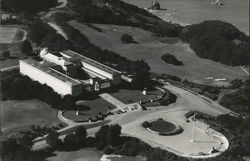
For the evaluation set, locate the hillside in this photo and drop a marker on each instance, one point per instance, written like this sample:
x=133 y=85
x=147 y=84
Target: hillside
x=218 y=41
x=214 y=40
x=120 y=13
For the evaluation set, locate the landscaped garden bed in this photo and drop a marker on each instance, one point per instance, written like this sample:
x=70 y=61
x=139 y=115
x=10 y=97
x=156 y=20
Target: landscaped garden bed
x=88 y=109
x=162 y=127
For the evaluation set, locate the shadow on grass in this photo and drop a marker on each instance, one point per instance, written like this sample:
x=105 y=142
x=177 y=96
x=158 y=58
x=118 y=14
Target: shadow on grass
x=83 y=108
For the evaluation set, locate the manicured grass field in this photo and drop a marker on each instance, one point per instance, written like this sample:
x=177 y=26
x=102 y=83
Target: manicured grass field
x=125 y=158
x=162 y=126
x=11 y=34
x=7 y=34
x=150 y=49
x=85 y=154
x=17 y=116
x=130 y=96
x=89 y=108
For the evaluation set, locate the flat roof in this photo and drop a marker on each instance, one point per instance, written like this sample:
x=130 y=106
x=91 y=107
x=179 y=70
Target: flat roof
x=51 y=72
x=87 y=60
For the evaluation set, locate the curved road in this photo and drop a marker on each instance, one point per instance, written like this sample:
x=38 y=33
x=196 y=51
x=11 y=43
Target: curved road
x=185 y=101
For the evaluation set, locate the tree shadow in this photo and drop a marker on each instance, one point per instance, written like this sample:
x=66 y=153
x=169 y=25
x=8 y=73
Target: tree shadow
x=12 y=57
x=83 y=107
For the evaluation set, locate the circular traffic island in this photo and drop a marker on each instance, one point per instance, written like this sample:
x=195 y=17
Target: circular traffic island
x=163 y=127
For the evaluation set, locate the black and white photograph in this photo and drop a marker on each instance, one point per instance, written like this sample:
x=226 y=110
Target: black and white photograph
x=124 y=80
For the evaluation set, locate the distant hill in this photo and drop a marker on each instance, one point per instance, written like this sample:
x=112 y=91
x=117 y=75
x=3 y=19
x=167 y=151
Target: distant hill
x=218 y=41
x=120 y=13
x=215 y=40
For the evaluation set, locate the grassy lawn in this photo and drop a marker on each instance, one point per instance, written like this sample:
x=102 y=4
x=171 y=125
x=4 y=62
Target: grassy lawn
x=89 y=108
x=151 y=49
x=15 y=53
x=19 y=35
x=130 y=96
x=86 y=154
x=7 y=34
x=18 y=116
x=162 y=126
x=125 y=158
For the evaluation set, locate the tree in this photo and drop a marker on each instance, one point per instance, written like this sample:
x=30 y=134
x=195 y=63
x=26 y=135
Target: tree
x=126 y=38
x=26 y=48
x=101 y=135
x=26 y=142
x=113 y=135
x=6 y=54
x=80 y=134
x=156 y=5
x=68 y=102
x=69 y=139
x=145 y=124
x=53 y=139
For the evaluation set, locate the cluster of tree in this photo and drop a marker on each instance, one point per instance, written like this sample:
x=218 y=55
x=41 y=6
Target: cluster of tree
x=170 y=77
x=11 y=22
x=236 y=83
x=72 y=141
x=238 y=101
x=22 y=87
x=26 y=48
x=6 y=54
x=126 y=38
x=13 y=149
x=171 y=59
x=108 y=135
x=27 y=6
x=165 y=29
x=218 y=41
x=211 y=92
x=121 y=13
x=45 y=36
x=140 y=69
x=110 y=12
x=168 y=98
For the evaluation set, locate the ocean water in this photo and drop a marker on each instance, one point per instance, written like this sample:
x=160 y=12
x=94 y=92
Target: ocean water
x=235 y=12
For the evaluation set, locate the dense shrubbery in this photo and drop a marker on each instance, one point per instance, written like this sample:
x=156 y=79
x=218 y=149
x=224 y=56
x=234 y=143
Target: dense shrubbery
x=170 y=77
x=120 y=13
x=26 y=48
x=171 y=59
x=168 y=98
x=45 y=36
x=238 y=101
x=27 y=6
x=218 y=41
x=145 y=124
x=211 y=92
x=22 y=87
x=126 y=38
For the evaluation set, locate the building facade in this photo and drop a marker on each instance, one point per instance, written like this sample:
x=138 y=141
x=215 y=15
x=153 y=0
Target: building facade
x=68 y=72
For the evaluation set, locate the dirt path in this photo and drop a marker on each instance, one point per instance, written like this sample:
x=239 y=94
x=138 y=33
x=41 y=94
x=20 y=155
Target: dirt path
x=45 y=16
